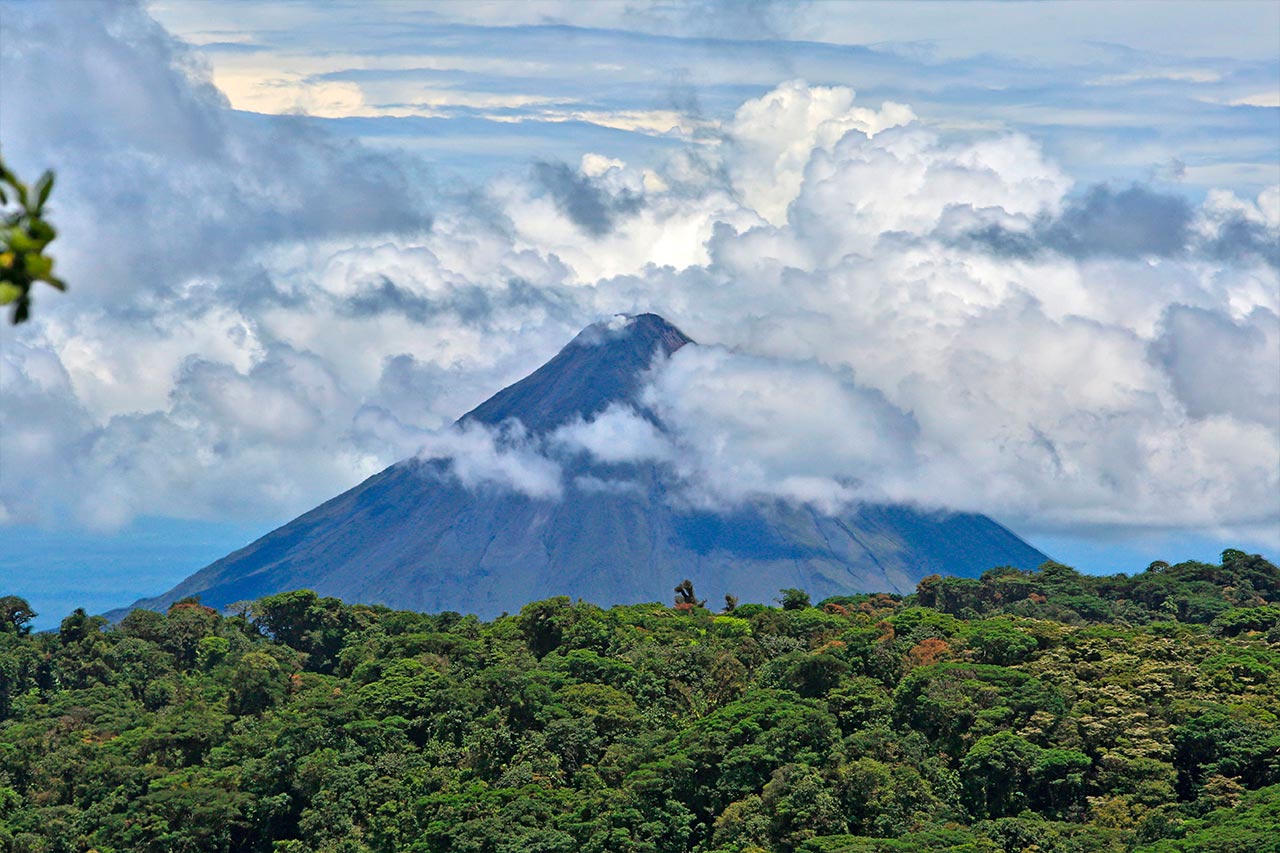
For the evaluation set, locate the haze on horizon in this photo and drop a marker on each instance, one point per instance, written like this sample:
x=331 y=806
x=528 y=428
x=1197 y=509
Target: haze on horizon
x=1010 y=258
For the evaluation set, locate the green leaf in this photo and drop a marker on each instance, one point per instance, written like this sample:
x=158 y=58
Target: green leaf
x=38 y=266
x=20 y=241
x=42 y=230
x=9 y=292
x=43 y=187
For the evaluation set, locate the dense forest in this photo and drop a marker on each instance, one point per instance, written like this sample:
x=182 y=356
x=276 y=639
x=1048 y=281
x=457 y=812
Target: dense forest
x=1043 y=711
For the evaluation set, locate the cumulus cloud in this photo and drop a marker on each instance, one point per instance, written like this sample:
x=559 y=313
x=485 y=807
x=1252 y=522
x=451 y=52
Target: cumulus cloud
x=1238 y=230
x=904 y=180
x=506 y=457
x=223 y=444
x=583 y=199
x=772 y=139
x=1134 y=222
x=1220 y=366
x=618 y=434
x=887 y=312
x=747 y=426
x=1129 y=223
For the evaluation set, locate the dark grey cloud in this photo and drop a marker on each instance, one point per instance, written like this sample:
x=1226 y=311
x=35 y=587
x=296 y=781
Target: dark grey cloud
x=1132 y=222
x=413 y=387
x=589 y=205
x=1240 y=239
x=1129 y=223
x=471 y=305
x=388 y=298
x=994 y=238
x=1220 y=366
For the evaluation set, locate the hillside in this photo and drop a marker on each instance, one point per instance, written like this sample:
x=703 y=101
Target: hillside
x=1022 y=711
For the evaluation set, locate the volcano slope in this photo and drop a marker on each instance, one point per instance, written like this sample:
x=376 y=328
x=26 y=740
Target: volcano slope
x=415 y=537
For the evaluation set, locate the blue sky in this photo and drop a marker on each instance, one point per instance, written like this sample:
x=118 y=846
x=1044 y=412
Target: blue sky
x=1112 y=90
x=304 y=237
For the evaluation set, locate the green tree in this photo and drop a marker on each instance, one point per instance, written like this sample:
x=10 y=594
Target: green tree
x=304 y=621
x=999 y=642
x=1058 y=781
x=686 y=596
x=15 y=613
x=258 y=683
x=997 y=773
x=794 y=599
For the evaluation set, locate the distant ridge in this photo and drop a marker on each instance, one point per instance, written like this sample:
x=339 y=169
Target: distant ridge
x=413 y=537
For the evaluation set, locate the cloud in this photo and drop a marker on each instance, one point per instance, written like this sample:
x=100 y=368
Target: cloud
x=890 y=309
x=224 y=444
x=159 y=180
x=506 y=457
x=906 y=179
x=1133 y=222
x=618 y=434
x=1238 y=230
x=1238 y=239
x=552 y=81
x=41 y=445
x=772 y=139
x=1220 y=366
x=1258 y=99
x=1188 y=75
x=1129 y=223
x=745 y=426
x=582 y=198
x=721 y=19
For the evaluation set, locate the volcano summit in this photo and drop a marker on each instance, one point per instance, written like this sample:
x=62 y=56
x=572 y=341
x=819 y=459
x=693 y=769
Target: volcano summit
x=415 y=536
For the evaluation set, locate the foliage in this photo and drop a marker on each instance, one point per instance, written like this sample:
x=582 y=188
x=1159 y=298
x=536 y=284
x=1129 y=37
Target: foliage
x=24 y=236
x=1021 y=711
x=794 y=599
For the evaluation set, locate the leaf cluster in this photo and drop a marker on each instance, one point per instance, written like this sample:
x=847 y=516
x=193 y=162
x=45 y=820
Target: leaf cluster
x=24 y=236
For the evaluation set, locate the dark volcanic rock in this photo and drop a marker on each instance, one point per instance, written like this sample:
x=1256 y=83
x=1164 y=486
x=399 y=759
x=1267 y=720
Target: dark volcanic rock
x=602 y=365
x=414 y=537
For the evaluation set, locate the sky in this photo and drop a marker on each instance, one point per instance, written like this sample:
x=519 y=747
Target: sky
x=1004 y=257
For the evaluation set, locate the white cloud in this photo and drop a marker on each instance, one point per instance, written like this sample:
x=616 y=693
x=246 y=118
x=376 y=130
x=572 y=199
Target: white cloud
x=167 y=189
x=772 y=139
x=1221 y=206
x=904 y=180
x=746 y=426
x=1222 y=367
x=595 y=165
x=276 y=321
x=618 y=434
x=1258 y=99
x=1180 y=75
x=507 y=458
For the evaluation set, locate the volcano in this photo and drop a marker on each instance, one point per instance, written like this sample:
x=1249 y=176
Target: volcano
x=415 y=537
